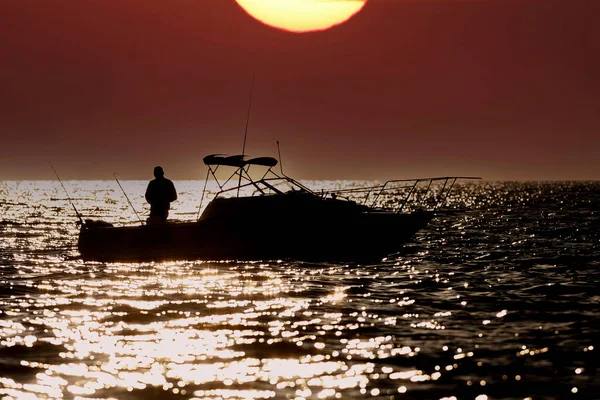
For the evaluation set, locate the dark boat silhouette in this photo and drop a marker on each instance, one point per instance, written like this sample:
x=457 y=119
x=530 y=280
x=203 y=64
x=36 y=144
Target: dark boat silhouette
x=276 y=217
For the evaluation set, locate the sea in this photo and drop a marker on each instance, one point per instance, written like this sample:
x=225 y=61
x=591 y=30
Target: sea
x=496 y=299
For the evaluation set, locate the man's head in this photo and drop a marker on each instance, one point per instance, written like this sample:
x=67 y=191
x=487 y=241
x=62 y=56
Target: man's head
x=158 y=172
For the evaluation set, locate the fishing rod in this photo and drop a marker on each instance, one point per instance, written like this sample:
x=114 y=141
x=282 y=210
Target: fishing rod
x=246 y=132
x=67 y=193
x=127 y=197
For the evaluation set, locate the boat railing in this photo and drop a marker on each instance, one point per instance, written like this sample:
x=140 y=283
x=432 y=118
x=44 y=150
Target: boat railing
x=417 y=194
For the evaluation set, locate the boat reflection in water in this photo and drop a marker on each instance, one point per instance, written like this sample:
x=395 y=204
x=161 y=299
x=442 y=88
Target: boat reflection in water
x=276 y=217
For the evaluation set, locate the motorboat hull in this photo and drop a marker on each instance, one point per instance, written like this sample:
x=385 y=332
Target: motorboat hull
x=366 y=236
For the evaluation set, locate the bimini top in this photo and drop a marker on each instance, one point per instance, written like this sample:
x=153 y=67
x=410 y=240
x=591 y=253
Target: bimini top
x=238 y=161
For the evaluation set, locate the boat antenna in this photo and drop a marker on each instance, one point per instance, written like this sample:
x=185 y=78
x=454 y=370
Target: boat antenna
x=127 y=197
x=248 y=116
x=246 y=133
x=280 y=163
x=67 y=193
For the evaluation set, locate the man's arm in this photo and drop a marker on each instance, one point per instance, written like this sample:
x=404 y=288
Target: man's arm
x=173 y=192
x=149 y=193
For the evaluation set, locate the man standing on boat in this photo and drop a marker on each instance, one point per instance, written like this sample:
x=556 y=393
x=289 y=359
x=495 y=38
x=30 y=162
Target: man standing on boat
x=160 y=193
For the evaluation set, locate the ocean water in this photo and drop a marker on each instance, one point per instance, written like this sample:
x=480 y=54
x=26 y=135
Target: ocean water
x=498 y=301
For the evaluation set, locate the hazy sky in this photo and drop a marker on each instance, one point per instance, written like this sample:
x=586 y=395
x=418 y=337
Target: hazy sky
x=501 y=89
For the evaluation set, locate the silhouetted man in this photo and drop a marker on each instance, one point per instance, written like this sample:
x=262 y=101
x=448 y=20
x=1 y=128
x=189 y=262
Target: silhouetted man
x=160 y=193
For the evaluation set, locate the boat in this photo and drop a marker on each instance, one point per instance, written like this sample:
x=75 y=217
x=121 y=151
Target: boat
x=260 y=214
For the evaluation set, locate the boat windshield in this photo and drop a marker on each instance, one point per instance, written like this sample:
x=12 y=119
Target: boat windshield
x=245 y=177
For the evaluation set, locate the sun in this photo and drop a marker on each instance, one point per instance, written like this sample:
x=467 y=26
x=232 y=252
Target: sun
x=302 y=15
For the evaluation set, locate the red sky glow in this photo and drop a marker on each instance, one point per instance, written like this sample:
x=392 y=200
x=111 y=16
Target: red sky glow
x=503 y=89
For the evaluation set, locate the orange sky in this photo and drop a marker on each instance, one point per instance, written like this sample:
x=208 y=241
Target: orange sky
x=501 y=89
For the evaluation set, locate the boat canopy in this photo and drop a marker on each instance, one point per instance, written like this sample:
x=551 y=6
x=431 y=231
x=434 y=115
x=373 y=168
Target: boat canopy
x=263 y=161
x=238 y=161
x=223 y=159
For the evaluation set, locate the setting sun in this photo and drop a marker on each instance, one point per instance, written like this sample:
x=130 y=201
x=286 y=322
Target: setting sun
x=302 y=15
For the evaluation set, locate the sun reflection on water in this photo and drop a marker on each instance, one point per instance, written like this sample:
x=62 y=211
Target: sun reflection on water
x=193 y=329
